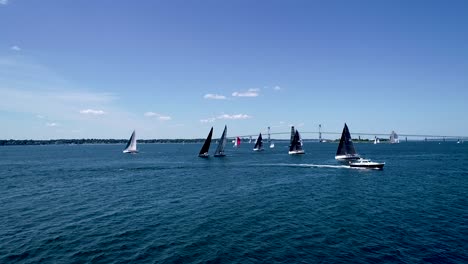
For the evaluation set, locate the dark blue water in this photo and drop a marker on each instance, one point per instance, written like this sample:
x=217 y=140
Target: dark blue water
x=91 y=203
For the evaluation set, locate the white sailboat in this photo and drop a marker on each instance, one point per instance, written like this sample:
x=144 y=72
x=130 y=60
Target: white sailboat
x=222 y=144
x=131 y=146
x=272 y=144
x=376 y=140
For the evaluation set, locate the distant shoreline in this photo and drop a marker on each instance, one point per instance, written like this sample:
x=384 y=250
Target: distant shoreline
x=20 y=142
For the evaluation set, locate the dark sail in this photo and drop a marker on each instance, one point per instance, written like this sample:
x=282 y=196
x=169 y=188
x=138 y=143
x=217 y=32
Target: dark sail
x=293 y=132
x=296 y=142
x=346 y=146
x=259 y=143
x=222 y=143
x=206 y=145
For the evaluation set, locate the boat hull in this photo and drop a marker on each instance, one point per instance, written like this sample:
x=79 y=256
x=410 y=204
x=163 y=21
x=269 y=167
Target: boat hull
x=374 y=165
x=130 y=151
x=296 y=152
x=219 y=155
x=257 y=149
x=204 y=155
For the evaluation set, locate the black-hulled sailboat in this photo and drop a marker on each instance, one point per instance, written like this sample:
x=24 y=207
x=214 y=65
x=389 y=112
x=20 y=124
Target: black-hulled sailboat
x=222 y=144
x=131 y=146
x=259 y=143
x=206 y=146
x=295 y=146
x=346 y=150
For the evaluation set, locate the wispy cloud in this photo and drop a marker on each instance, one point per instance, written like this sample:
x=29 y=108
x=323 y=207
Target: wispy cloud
x=159 y=116
x=52 y=124
x=214 y=96
x=234 y=117
x=3 y=2
x=277 y=88
x=253 y=92
x=226 y=116
x=40 y=116
x=15 y=48
x=92 y=112
x=208 y=120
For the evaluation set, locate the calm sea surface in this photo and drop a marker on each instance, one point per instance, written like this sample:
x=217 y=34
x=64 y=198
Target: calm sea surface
x=91 y=203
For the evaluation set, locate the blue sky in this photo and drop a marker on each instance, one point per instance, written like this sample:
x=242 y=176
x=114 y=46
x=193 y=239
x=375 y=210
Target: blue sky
x=173 y=69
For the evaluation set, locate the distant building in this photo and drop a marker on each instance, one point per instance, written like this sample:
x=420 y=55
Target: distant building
x=394 y=138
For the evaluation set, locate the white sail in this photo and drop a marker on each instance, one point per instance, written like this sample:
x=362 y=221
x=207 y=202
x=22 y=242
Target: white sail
x=131 y=146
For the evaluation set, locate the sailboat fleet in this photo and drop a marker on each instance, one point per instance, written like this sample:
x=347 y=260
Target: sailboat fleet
x=346 y=151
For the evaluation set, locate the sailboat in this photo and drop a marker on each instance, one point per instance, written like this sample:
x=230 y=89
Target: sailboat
x=131 y=146
x=206 y=146
x=346 y=149
x=272 y=144
x=237 y=142
x=259 y=143
x=222 y=143
x=376 y=140
x=295 y=146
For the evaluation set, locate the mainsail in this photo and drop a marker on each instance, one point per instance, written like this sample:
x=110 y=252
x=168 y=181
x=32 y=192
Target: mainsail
x=206 y=145
x=131 y=146
x=293 y=132
x=346 y=147
x=222 y=143
x=259 y=143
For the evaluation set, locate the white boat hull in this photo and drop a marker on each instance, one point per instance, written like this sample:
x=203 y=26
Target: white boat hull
x=257 y=149
x=130 y=151
x=366 y=164
x=296 y=152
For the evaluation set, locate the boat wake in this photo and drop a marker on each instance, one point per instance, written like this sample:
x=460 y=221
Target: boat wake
x=305 y=165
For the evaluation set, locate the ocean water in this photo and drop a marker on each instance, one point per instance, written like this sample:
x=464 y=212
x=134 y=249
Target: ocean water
x=91 y=203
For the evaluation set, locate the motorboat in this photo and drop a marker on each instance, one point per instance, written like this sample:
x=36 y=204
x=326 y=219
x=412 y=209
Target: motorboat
x=367 y=164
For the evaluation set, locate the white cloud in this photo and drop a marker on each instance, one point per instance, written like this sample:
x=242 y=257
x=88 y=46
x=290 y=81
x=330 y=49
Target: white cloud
x=3 y=2
x=92 y=112
x=253 y=92
x=15 y=48
x=159 y=116
x=208 y=120
x=214 y=96
x=40 y=116
x=52 y=124
x=234 y=117
x=276 y=88
x=226 y=116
